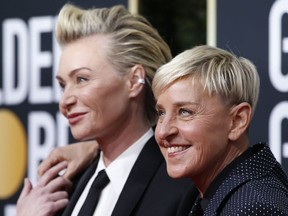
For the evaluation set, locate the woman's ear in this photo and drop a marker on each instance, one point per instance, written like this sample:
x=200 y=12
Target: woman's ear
x=241 y=117
x=136 y=80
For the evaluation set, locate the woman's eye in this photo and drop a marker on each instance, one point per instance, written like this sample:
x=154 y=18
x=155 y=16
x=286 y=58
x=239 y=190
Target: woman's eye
x=184 y=112
x=81 y=79
x=62 y=86
x=160 y=113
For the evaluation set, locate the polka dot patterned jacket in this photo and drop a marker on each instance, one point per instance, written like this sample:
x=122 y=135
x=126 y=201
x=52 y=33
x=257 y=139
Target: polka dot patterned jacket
x=257 y=186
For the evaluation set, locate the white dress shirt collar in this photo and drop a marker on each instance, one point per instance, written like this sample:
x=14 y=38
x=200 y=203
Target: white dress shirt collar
x=119 y=170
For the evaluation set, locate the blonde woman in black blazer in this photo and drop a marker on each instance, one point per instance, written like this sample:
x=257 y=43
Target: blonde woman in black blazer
x=108 y=60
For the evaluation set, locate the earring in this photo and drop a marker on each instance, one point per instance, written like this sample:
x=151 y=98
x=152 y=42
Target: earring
x=141 y=80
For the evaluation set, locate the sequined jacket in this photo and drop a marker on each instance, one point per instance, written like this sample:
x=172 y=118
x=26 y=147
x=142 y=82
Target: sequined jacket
x=257 y=186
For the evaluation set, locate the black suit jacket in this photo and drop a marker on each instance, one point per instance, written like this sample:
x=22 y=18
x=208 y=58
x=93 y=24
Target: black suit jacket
x=148 y=191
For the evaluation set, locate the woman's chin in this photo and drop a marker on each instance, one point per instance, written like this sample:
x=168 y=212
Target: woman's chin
x=175 y=173
x=79 y=136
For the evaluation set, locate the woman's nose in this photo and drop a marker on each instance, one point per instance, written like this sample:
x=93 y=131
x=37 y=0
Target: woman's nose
x=165 y=129
x=67 y=100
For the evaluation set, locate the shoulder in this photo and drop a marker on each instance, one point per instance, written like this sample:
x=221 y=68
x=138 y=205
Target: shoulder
x=266 y=196
x=256 y=185
x=256 y=208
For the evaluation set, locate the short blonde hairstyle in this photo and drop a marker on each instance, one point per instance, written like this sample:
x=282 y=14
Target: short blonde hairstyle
x=133 y=41
x=234 y=78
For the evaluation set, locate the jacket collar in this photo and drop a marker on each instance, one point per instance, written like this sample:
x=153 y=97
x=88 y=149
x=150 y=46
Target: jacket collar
x=254 y=167
x=141 y=174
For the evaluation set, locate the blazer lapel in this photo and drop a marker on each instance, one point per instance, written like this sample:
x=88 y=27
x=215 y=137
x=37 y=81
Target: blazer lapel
x=142 y=172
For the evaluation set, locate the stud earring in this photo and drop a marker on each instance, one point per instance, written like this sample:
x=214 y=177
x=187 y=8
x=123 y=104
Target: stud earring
x=141 y=80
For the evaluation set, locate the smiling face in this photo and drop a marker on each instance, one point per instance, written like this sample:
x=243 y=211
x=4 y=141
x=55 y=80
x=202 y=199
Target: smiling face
x=95 y=96
x=192 y=131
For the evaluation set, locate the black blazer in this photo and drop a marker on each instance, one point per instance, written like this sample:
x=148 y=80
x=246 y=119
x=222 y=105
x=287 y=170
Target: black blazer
x=148 y=191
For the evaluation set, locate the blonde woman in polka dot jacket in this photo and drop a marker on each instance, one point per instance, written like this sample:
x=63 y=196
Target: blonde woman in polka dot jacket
x=206 y=98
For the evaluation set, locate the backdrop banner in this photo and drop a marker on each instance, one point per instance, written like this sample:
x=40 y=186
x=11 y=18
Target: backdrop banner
x=258 y=30
x=30 y=123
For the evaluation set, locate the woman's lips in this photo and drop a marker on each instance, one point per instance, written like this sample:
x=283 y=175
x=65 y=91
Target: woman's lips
x=73 y=118
x=176 y=149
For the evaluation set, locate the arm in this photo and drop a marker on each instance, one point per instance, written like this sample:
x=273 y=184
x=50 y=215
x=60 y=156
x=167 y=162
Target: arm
x=47 y=197
x=78 y=155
